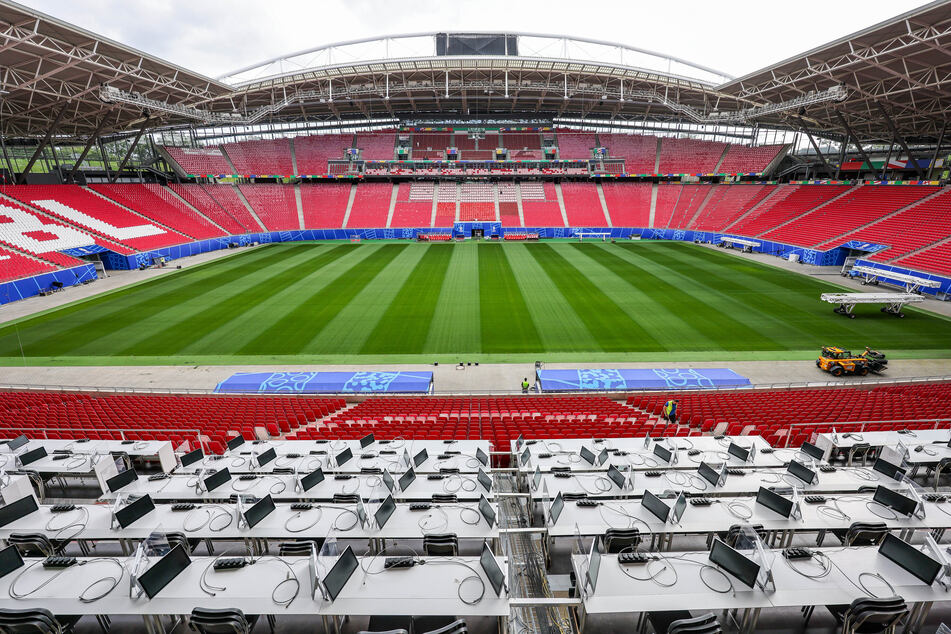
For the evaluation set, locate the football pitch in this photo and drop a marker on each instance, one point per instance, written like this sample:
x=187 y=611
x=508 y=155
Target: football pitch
x=379 y=302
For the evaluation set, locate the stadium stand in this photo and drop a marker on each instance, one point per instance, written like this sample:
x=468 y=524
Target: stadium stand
x=727 y=203
x=508 y=204
x=14 y=265
x=689 y=156
x=540 y=205
x=414 y=205
x=934 y=259
x=582 y=205
x=741 y=159
x=96 y=214
x=860 y=206
x=313 y=152
x=921 y=224
x=688 y=204
x=792 y=201
x=371 y=205
x=39 y=236
x=375 y=145
x=446 y=204
x=200 y=161
x=638 y=151
x=430 y=146
x=477 y=202
x=575 y=145
x=263 y=157
x=159 y=204
x=227 y=196
x=667 y=197
x=629 y=204
x=275 y=205
x=201 y=200
x=522 y=146
x=324 y=205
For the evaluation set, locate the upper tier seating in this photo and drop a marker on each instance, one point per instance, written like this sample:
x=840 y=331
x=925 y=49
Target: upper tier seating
x=540 y=205
x=936 y=259
x=521 y=141
x=689 y=156
x=741 y=159
x=13 y=266
x=98 y=215
x=314 y=152
x=324 y=205
x=477 y=202
x=198 y=198
x=859 y=207
x=789 y=202
x=376 y=145
x=582 y=204
x=200 y=161
x=727 y=203
x=227 y=196
x=148 y=416
x=159 y=204
x=575 y=145
x=414 y=205
x=508 y=204
x=926 y=221
x=39 y=235
x=629 y=204
x=261 y=157
x=638 y=151
x=275 y=205
x=430 y=146
x=446 y=204
x=690 y=201
x=371 y=206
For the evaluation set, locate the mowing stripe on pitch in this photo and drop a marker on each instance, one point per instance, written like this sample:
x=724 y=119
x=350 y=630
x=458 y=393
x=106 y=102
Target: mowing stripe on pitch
x=456 y=325
x=507 y=325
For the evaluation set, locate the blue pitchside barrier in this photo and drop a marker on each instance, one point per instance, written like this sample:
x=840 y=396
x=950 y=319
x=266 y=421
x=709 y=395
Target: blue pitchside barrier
x=29 y=286
x=327 y=382
x=581 y=380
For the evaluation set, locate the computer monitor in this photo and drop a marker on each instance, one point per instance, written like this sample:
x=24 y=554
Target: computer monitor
x=738 y=565
x=31 y=456
x=17 y=509
x=10 y=560
x=557 y=506
x=738 y=452
x=525 y=457
x=615 y=476
x=488 y=513
x=266 y=457
x=910 y=558
x=710 y=474
x=594 y=564
x=407 y=479
x=385 y=511
x=485 y=480
x=662 y=452
x=216 y=479
x=655 y=505
x=343 y=457
x=677 y=510
x=192 y=457
x=340 y=573
x=164 y=571
x=536 y=478
x=17 y=442
x=490 y=566
x=602 y=457
x=801 y=471
x=258 y=511
x=366 y=441
x=116 y=482
x=482 y=457
x=888 y=469
x=388 y=481
x=420 y=458
x=812 y=451
x=896 y=501
x=774 y=502
x=312 y=479
x=235 y=442
x=131 y=513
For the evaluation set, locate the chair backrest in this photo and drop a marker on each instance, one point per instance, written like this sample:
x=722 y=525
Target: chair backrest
x=569 y=497
x=30 y=620
x=219 y=621
x=736 y=529
x=176 y=538
x=442 y=545
x=32 y=544
x=865 y=533
x=456 y=627
x=399 y=631
x=346 y=498
x=883 y=613
x=703 y=624
x=445 y=498
x=297 y=549
x=618 y=539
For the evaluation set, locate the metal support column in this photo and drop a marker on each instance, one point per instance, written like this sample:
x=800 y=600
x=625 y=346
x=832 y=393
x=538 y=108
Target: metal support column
x=900 y=139
x=815 y=146
x=858 y=146
x=888 y=159
x=937 y=150
x=128 y=154
x=105 y=159
x=92 y=141
x=42 y=145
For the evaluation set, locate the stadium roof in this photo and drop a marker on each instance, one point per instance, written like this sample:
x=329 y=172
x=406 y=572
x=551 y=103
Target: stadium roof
x=903 y=63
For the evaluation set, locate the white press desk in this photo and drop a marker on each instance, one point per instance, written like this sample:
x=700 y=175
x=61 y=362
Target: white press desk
x=847 y=439
x=181 y=487
x=429 y=589
x=595 y=485
x=617 y=593
x=159 y=450
x=574 y=445
x=243 y=461
x=463 y=519
x=303 y=447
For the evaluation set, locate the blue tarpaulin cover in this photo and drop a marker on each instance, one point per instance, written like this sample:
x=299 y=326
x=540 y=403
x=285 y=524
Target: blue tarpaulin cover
x=78 y=252
x=639 y=379
x=327 y=382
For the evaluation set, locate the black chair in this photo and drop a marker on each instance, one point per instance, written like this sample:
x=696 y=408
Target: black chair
x=618 y=539
x=396 y=631
x=381 y=623
x=35 y=544
x=572 y=497
x=445 y=498
x=35 y=620
x=733 y=533
x=441 y=545
x=299 y=548
x=869 y=615
x=682 y=622
x=346 y=498
x=222 y=621
x=942 y=466
x=862 y=534
x=439 y=625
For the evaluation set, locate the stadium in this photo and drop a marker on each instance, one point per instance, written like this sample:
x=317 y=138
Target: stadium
x=471 y=331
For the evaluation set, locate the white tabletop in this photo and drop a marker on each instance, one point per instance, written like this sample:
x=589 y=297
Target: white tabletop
x=244 y=461
x=847 y=440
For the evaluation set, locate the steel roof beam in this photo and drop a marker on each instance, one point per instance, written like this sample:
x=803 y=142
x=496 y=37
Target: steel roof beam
x=901 y=140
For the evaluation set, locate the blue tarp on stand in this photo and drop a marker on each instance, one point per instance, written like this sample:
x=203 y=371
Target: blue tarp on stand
x=641 y=379
x=327 y=382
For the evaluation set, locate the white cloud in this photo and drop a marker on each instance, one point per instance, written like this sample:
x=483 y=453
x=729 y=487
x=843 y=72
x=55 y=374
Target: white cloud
x=216 y=37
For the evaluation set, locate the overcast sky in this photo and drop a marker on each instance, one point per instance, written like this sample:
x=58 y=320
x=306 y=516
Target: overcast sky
x=215 y=37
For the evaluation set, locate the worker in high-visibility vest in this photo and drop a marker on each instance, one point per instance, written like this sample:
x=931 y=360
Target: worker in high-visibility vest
x=525 y=385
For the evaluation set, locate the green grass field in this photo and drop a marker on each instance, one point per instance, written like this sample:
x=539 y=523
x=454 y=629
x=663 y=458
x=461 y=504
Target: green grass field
x=402 y=302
